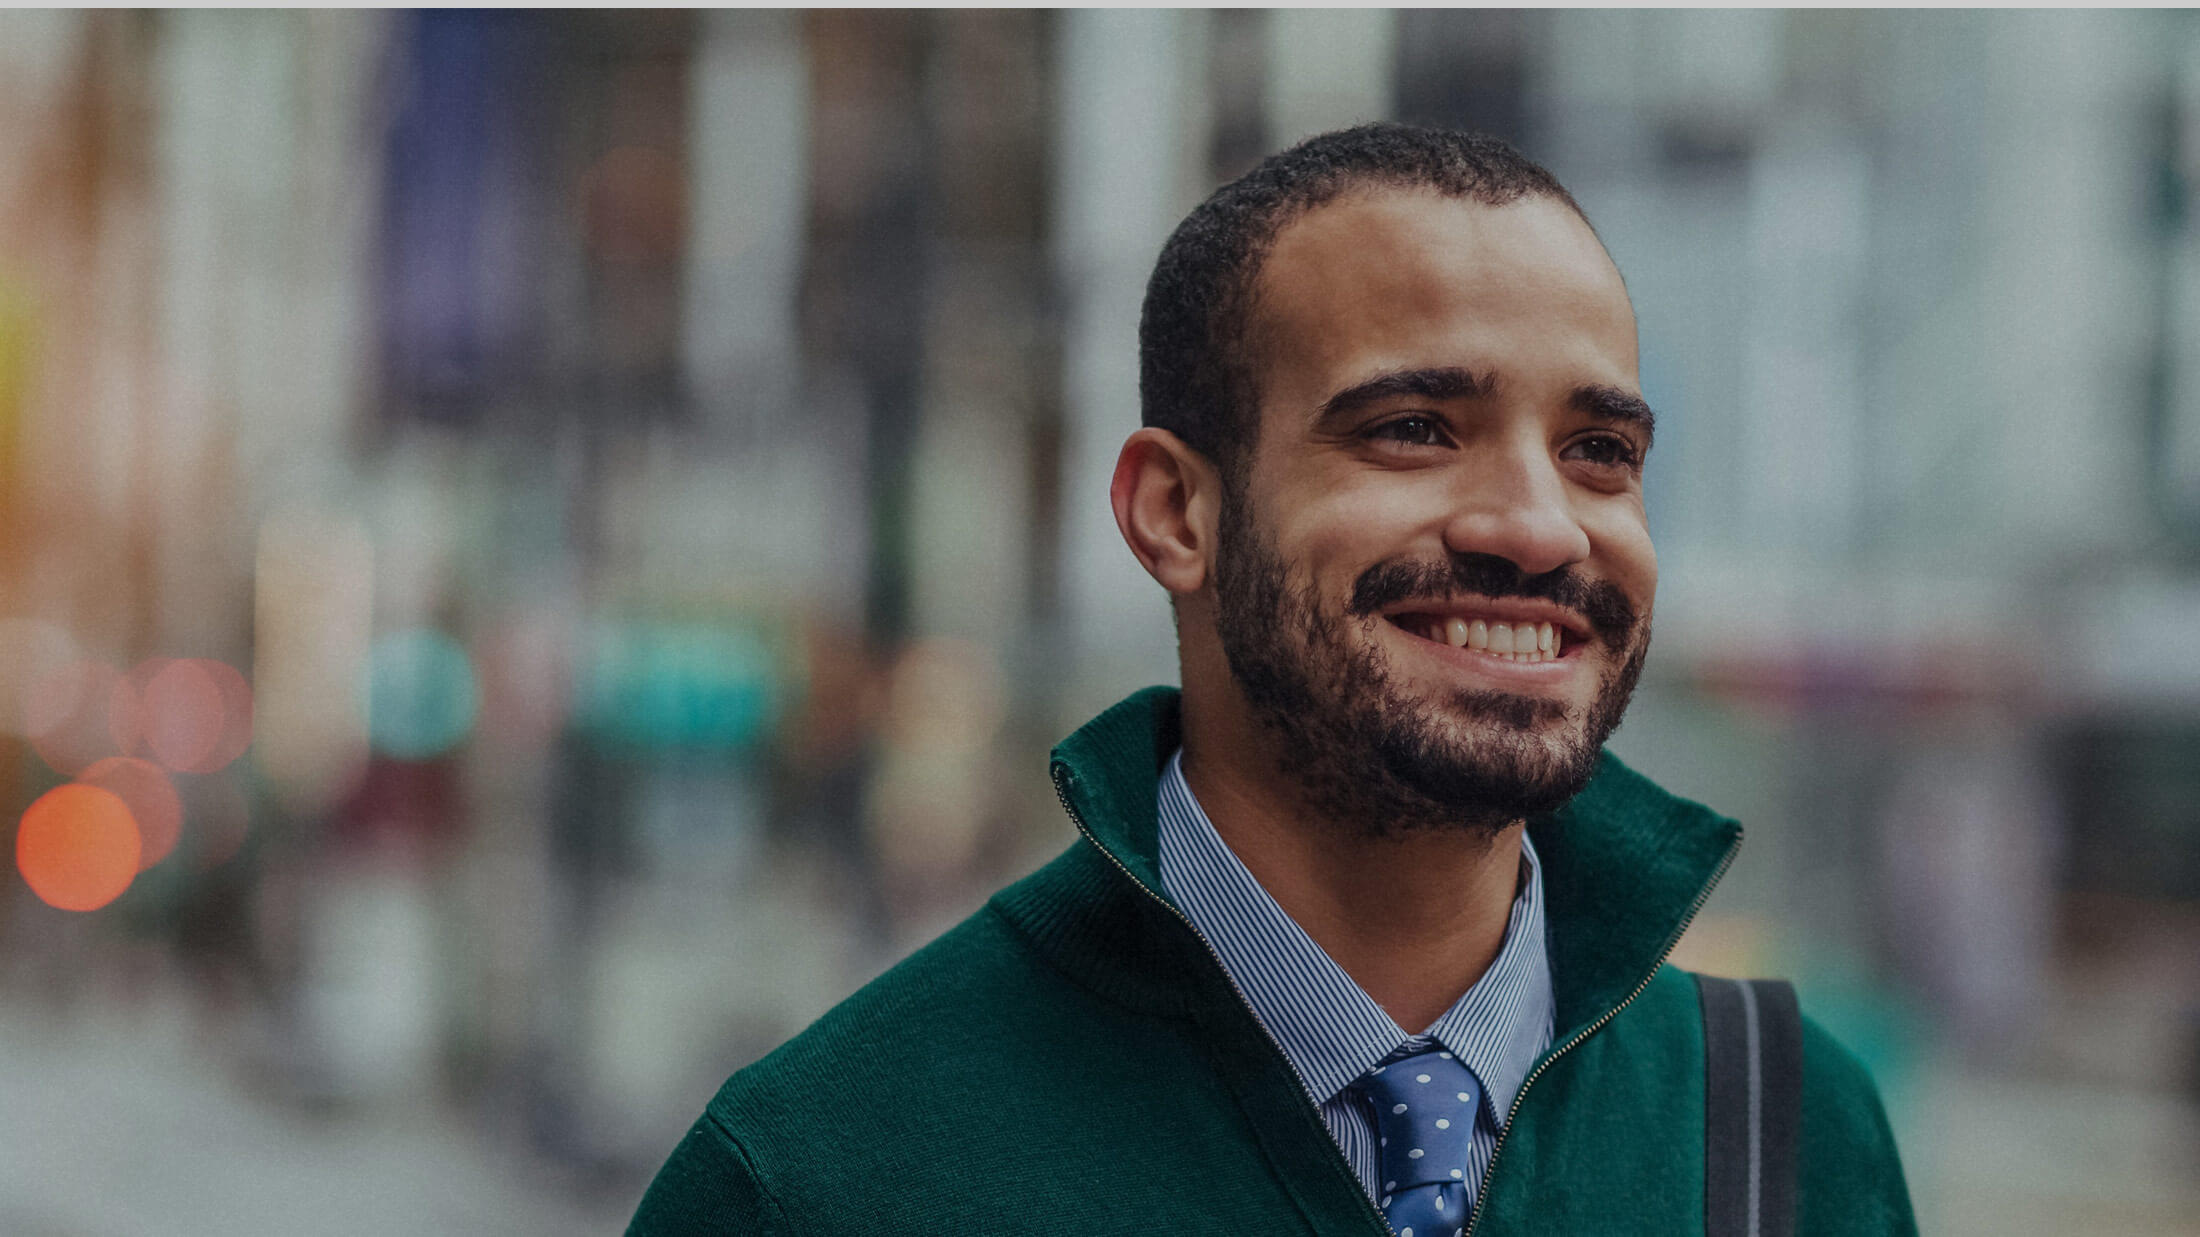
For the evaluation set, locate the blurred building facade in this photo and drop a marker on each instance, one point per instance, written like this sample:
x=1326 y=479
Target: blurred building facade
x=650 y=469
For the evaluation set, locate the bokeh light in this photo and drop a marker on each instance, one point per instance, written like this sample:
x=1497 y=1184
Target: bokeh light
x=151 y=798
x=78 y=847
x=194 y=714
x=69 y=714
x=420 y=694
x=674 y=685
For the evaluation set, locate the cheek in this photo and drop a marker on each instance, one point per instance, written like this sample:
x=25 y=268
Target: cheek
x=1341 y=508
x=1334 y=538
x=1628 y=559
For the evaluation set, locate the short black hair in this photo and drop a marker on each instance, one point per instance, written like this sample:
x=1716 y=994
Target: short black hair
x=1194 y=379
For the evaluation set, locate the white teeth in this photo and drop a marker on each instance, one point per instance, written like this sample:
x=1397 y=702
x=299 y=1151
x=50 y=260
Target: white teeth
x=1532 y=643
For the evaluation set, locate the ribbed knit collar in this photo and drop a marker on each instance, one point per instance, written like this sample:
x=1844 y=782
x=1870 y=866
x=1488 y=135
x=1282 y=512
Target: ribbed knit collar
x=1625 y=865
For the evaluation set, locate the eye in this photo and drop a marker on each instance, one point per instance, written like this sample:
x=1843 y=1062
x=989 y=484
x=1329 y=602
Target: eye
x=1605 y=451
x=1417 y=431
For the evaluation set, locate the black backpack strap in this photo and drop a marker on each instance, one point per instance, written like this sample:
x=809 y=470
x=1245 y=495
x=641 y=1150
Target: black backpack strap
x=1753 y=1102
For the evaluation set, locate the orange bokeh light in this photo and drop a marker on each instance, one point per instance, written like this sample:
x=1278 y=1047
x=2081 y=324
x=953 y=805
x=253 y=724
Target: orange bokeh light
x=68 y=713
x=152 y=801
x=193 y=715
x=77 y=847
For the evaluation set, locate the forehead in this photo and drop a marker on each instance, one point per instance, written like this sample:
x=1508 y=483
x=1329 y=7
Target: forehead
x=1391 y=279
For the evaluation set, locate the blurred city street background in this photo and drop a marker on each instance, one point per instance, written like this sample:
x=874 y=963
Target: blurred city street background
x=538 y=551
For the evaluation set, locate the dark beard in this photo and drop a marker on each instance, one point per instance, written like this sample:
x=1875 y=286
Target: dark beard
x=1366 y=757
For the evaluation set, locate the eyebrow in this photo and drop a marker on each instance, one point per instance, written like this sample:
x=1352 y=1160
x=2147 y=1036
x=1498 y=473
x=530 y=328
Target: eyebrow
x=1442 y=383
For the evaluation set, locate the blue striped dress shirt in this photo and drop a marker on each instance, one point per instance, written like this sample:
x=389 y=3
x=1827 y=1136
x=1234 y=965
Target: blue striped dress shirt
x=1330 y=1030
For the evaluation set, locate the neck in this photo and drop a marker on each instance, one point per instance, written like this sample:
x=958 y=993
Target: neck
x=1414 y=920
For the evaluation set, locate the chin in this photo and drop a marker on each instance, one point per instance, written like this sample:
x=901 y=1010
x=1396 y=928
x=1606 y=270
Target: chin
x=1491 y=774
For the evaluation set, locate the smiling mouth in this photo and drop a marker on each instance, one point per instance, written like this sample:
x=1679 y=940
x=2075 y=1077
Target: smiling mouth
x=1516 y=641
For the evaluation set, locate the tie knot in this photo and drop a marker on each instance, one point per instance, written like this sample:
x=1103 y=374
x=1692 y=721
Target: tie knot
x=1424 y=1117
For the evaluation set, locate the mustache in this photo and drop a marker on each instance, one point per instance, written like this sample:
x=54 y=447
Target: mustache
x=1600 y=603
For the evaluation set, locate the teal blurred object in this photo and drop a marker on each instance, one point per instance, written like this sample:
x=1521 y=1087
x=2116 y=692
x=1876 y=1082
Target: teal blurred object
x=1889 y=1036
x=420 y=694
x=685 y=686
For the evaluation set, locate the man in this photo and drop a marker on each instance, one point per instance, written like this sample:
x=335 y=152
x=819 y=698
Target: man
x=1364 y=933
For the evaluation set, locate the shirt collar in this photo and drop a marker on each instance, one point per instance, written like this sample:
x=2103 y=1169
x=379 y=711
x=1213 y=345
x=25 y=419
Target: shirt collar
x=1330 y=1030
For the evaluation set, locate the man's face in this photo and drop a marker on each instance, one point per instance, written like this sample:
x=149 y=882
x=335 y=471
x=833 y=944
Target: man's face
x=1449 y=454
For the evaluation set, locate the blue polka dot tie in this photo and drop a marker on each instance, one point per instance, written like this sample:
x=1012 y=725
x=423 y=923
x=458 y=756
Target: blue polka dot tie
x=1424 y=1123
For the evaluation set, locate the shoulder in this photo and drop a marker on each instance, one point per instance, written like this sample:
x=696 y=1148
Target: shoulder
x=1852 y=1177
x=707 y=1186
x=848 y=1081
x=880 y=1085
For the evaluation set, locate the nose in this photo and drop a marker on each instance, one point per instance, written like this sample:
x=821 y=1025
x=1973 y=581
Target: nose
x=1511 y=502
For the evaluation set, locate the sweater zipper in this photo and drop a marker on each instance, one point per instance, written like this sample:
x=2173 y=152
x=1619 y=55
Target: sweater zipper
x=1489 y=1172
x=1077 y=818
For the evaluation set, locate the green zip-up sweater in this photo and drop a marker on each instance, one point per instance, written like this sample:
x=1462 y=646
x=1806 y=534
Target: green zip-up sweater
x=1072 y=1059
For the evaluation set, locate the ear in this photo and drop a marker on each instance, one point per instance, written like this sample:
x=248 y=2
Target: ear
x=1167 y=500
